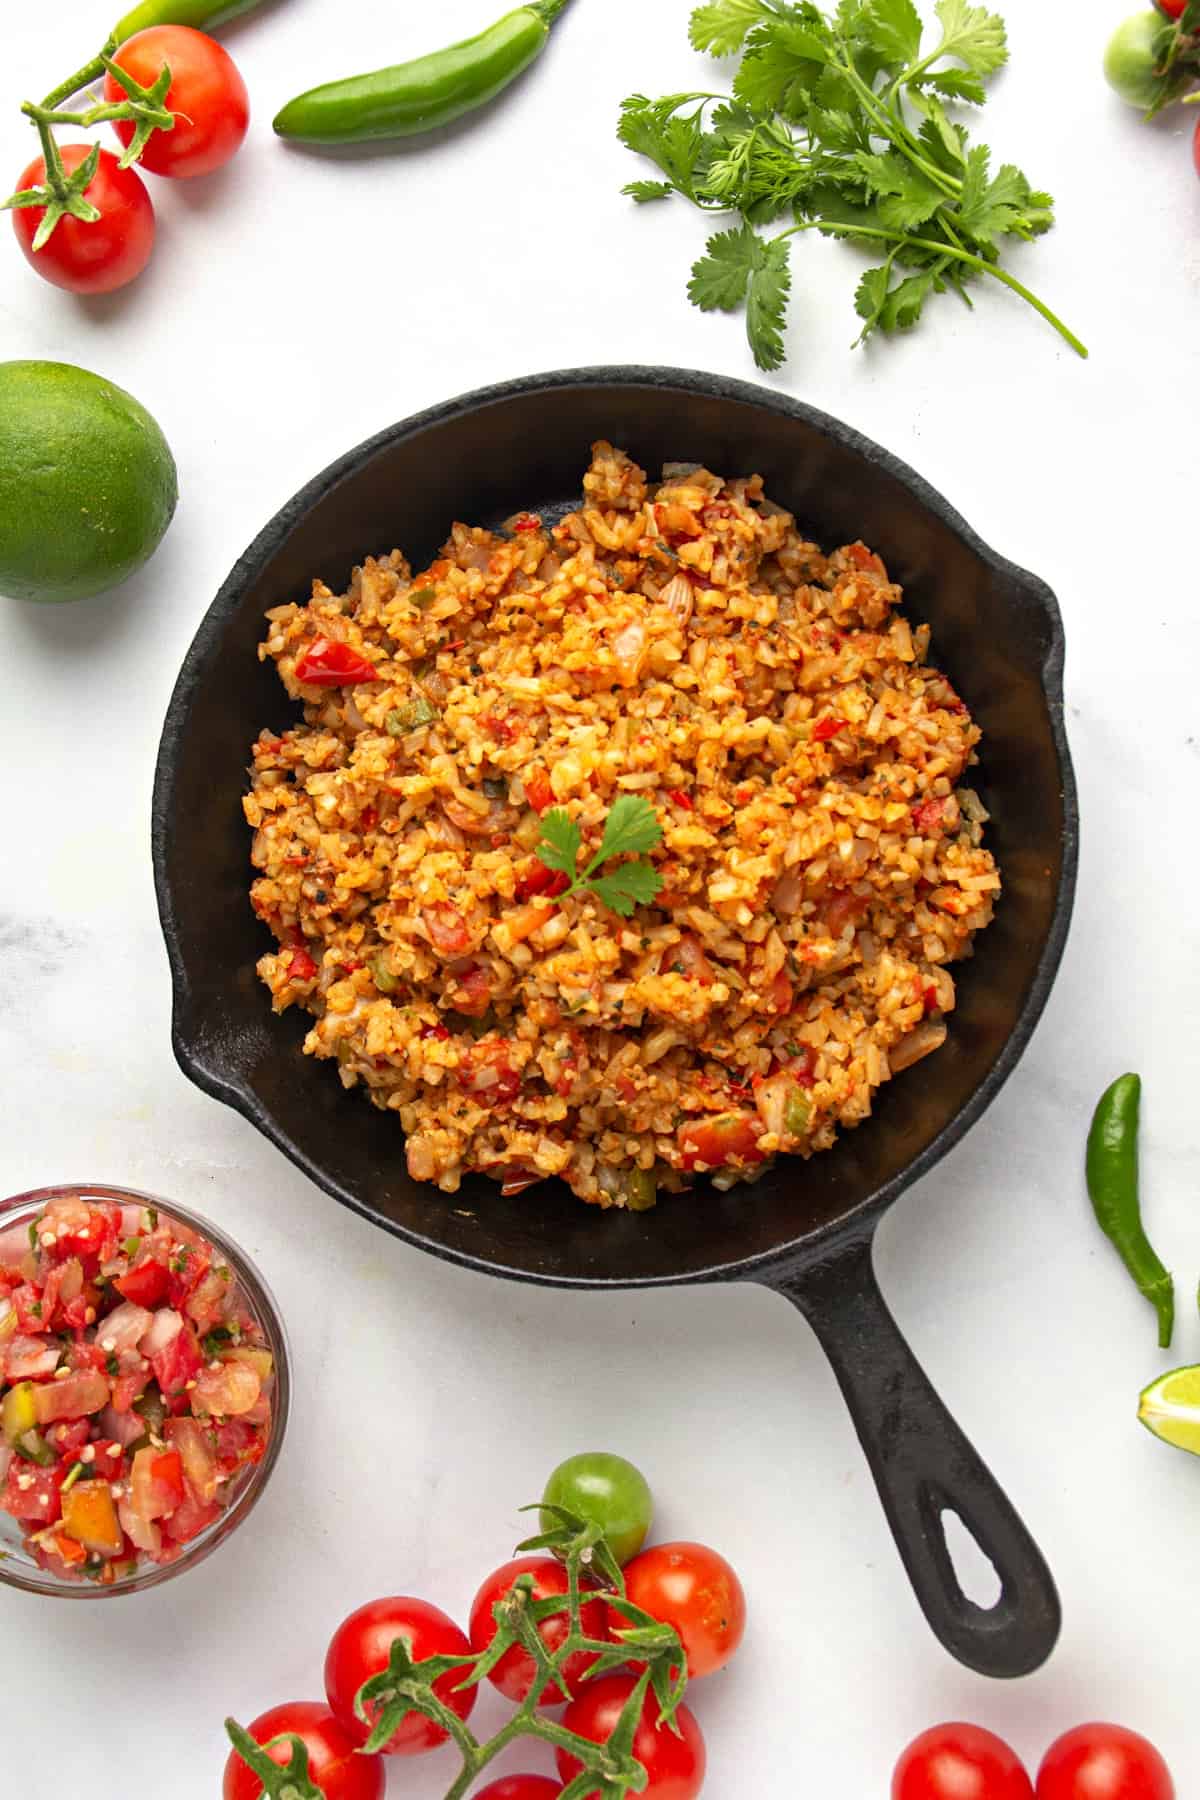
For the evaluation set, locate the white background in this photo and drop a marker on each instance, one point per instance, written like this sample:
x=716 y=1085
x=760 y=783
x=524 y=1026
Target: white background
x=296 y=304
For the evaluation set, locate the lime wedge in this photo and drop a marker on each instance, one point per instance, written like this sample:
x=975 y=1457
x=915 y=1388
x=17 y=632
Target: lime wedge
x=1170 y=1408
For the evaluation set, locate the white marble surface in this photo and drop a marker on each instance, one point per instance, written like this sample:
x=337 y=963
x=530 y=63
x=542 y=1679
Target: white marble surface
x=296 y=305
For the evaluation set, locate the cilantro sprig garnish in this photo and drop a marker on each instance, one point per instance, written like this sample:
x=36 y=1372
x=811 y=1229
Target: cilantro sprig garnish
x=841 y=122
x=630 y=829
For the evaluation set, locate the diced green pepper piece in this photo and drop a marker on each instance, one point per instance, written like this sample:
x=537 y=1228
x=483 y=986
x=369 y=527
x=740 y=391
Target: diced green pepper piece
x=382 y=976
x=18 y=1414
x=641 y=1190
x=410 y=717
x=422 y=597
x=797 y=1112
x=34 y=1448
x=150 y=1407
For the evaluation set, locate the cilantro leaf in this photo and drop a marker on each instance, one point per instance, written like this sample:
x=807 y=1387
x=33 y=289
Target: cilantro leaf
x=720 y=278
x=893 y=28
x=722 y=26
x=780 y=70
x=766 y=304
x=977 y=38
x=887 y=306
x=632 y=884
x=642 y=191
x=991 y=209
x=654 y=128
x=741 y=266
x=954 y=84
x=907 y=197
x=561 y=840
x=631 y=827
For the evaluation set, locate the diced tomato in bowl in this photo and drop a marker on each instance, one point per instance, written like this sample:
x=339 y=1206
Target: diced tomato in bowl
x=144 y=1390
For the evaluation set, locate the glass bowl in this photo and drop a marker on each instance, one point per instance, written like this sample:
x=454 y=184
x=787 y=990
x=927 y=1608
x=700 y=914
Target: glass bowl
x=17 y=1566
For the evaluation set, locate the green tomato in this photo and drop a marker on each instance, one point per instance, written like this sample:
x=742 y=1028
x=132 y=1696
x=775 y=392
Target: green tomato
x=606 y=1491
x=1134 y=53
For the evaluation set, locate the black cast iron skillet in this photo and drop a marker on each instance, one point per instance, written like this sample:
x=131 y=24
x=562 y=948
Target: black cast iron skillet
x=806 y=1229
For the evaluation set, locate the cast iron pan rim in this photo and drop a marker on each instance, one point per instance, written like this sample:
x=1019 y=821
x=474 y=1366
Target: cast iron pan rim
x=772 y=1264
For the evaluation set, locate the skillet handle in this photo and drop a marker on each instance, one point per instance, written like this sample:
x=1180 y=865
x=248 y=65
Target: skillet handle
x=923 y=1465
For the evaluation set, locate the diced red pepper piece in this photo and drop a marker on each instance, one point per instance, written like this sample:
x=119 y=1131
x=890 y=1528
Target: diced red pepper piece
x=681 y=799
x=300 y=966
x=538 y=791
x=145 y=1284
x=328 y=663
x=536 y=878
x=727 y=1138
x=827 y=728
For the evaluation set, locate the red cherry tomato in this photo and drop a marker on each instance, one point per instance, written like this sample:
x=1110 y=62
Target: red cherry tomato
x=333 y=1759
x=521 y=1787
x=360 y=1648
x=207 y=96
x=675 y=1765
x=95 y=257
x=515 y=1671
x=1103 y=1762
x=1174 y=9
x=696 y=1591
x=960 y=1762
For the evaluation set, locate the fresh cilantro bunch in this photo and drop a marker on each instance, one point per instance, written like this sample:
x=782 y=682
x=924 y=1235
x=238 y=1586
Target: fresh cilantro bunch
x=842 y=123
x=631 y=828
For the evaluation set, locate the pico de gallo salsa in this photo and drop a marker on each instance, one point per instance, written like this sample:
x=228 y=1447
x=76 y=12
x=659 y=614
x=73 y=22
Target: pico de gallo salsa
x=135 y=1386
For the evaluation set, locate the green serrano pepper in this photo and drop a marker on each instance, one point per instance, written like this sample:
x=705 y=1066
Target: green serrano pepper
x=432 y=90
x=1112 y=1180
x=202 y=15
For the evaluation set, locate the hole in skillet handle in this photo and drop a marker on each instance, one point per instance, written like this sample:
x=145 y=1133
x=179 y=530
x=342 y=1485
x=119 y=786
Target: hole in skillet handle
x=976 y=1573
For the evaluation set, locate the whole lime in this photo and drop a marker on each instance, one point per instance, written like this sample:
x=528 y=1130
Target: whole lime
x=87 y=482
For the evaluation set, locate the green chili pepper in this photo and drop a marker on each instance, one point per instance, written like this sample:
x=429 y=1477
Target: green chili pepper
x=418 y=96
x=1112 y=1180
x=202 y=15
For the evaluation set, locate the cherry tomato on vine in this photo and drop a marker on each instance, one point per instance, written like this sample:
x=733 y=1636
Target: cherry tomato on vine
x=360 y=1648
x=1103 y=1762
x=695 y=1590
x=521 y=1787
x=675 y=1765
x=333 y=1759
x=90 y=257
x=606 y=1491
x=960 y=1762
x=1174 y=9
x=514 y=1673
x=207 y=96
